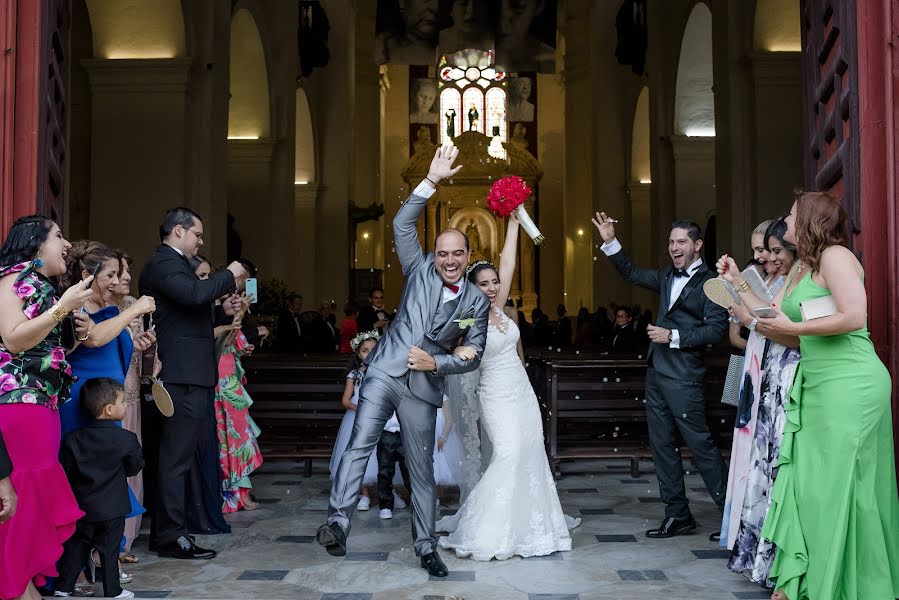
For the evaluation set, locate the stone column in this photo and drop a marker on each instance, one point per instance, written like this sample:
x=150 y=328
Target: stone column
x=778 y=132
x=527 y=267
x=251 y=201
x=694 y=175
x=432 y=226
x=643 y=248
x=332 y=103
x=207 y=153
x=138 y=145
x=579 y=142
x=302 y=246
x=732 y=26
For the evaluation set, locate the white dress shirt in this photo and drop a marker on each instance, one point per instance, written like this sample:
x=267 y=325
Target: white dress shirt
x=677 y=285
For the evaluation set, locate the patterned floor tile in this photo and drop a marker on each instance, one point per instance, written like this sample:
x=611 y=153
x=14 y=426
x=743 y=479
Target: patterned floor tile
x=553 y=556
x=366 y=556
x=711 y=554
x=262 y=575
x=605 y=539
x=596 y=511
x=652 y=575
x=456 y=576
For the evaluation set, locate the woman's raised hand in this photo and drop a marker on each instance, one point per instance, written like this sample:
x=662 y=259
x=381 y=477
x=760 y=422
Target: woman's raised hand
x=75 y=297
x=144 y=305
x=727 y=268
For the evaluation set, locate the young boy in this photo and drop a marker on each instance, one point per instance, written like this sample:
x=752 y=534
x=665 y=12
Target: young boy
x=98 y=459
x=390 y=452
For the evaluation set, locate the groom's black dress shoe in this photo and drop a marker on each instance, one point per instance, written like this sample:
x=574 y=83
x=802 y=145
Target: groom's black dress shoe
x=434 y=565
x=332 y=537
x=184 y=548
x=671 y=527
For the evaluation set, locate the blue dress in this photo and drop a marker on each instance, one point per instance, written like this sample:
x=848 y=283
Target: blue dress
x=110 y=360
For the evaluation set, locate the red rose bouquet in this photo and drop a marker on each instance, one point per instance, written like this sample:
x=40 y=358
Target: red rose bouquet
x=507 y=196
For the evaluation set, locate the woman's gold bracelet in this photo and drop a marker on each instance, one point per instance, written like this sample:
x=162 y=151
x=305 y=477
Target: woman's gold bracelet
x=58 y=312
x=743 y=287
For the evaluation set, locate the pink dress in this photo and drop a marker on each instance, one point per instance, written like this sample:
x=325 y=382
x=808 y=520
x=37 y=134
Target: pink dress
x=32 y=383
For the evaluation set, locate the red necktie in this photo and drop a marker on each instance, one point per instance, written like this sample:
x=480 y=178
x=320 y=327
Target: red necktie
x=453 y=288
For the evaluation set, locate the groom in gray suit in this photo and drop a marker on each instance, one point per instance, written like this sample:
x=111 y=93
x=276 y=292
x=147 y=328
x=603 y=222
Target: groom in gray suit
x=439 y=310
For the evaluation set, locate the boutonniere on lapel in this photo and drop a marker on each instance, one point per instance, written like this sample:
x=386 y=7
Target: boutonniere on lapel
x=467 y=319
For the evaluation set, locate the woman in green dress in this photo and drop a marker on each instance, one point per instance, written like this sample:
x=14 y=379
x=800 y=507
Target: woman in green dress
x=835 y=513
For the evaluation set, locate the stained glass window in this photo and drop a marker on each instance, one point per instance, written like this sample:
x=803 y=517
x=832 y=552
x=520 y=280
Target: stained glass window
x=472 y=97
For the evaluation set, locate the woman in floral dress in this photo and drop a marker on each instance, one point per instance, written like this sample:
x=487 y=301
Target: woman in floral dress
x=751 y=555
x=239 y=453
x=35 y=379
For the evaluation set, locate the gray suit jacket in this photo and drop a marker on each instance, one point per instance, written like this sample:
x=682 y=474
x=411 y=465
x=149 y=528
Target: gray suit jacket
x=416 y=322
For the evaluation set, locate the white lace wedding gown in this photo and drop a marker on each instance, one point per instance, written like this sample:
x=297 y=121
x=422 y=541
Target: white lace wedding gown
x=514 y=509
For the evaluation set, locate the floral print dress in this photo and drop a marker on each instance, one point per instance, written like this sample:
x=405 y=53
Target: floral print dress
x=33 y=384
x=239 y=453
x=752 y=556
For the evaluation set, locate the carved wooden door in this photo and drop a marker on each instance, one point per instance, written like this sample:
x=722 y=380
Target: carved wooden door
x=53 y=98
x=34 y=73
x=830 y=97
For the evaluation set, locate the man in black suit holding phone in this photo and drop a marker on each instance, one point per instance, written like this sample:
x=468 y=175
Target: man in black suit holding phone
x=687 y=323
x=184 y=320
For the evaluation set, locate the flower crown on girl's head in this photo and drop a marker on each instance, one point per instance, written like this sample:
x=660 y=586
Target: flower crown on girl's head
x=364 y=337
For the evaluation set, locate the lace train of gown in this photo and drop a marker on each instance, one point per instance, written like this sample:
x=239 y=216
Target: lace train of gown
x=514 y=509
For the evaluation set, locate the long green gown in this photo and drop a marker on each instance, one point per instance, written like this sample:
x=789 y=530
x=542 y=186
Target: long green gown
x=835 y=512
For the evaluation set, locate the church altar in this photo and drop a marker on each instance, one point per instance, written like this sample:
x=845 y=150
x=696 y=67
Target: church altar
x=461 y=202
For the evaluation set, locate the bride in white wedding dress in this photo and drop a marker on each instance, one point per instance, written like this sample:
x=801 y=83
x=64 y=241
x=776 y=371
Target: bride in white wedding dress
x=514 y=509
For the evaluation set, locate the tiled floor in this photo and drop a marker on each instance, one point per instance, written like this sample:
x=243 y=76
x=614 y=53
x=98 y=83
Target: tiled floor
x=271 y=553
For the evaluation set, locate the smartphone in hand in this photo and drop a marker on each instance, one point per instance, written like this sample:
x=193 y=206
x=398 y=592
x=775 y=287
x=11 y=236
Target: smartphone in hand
x=766 y=312
x=251 y=288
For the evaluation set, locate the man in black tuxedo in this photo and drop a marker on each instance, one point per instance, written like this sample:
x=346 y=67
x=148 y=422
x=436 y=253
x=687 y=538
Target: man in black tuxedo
x=374 y=316
x=290 y=332
x=8 y=498
x=687 y=322
x=185 y=317
x=624 y=336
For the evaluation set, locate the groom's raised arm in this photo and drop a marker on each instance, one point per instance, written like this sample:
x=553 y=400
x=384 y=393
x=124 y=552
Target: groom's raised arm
x=405 y=227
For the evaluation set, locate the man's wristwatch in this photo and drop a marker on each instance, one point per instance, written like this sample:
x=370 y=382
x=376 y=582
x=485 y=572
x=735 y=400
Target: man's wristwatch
x=752 y=324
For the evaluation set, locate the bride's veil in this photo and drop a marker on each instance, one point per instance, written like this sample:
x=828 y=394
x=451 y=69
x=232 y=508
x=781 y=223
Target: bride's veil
x=464 y=415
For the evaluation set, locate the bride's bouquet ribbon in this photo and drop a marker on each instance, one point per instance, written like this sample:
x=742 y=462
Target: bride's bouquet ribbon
x=507 y=196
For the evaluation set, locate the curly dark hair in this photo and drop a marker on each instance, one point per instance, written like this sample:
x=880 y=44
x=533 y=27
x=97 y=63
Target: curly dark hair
x=24 y=239
x=821 y=222
x=85 y=255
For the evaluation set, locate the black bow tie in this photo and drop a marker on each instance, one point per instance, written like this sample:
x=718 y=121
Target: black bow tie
x=680 y=273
